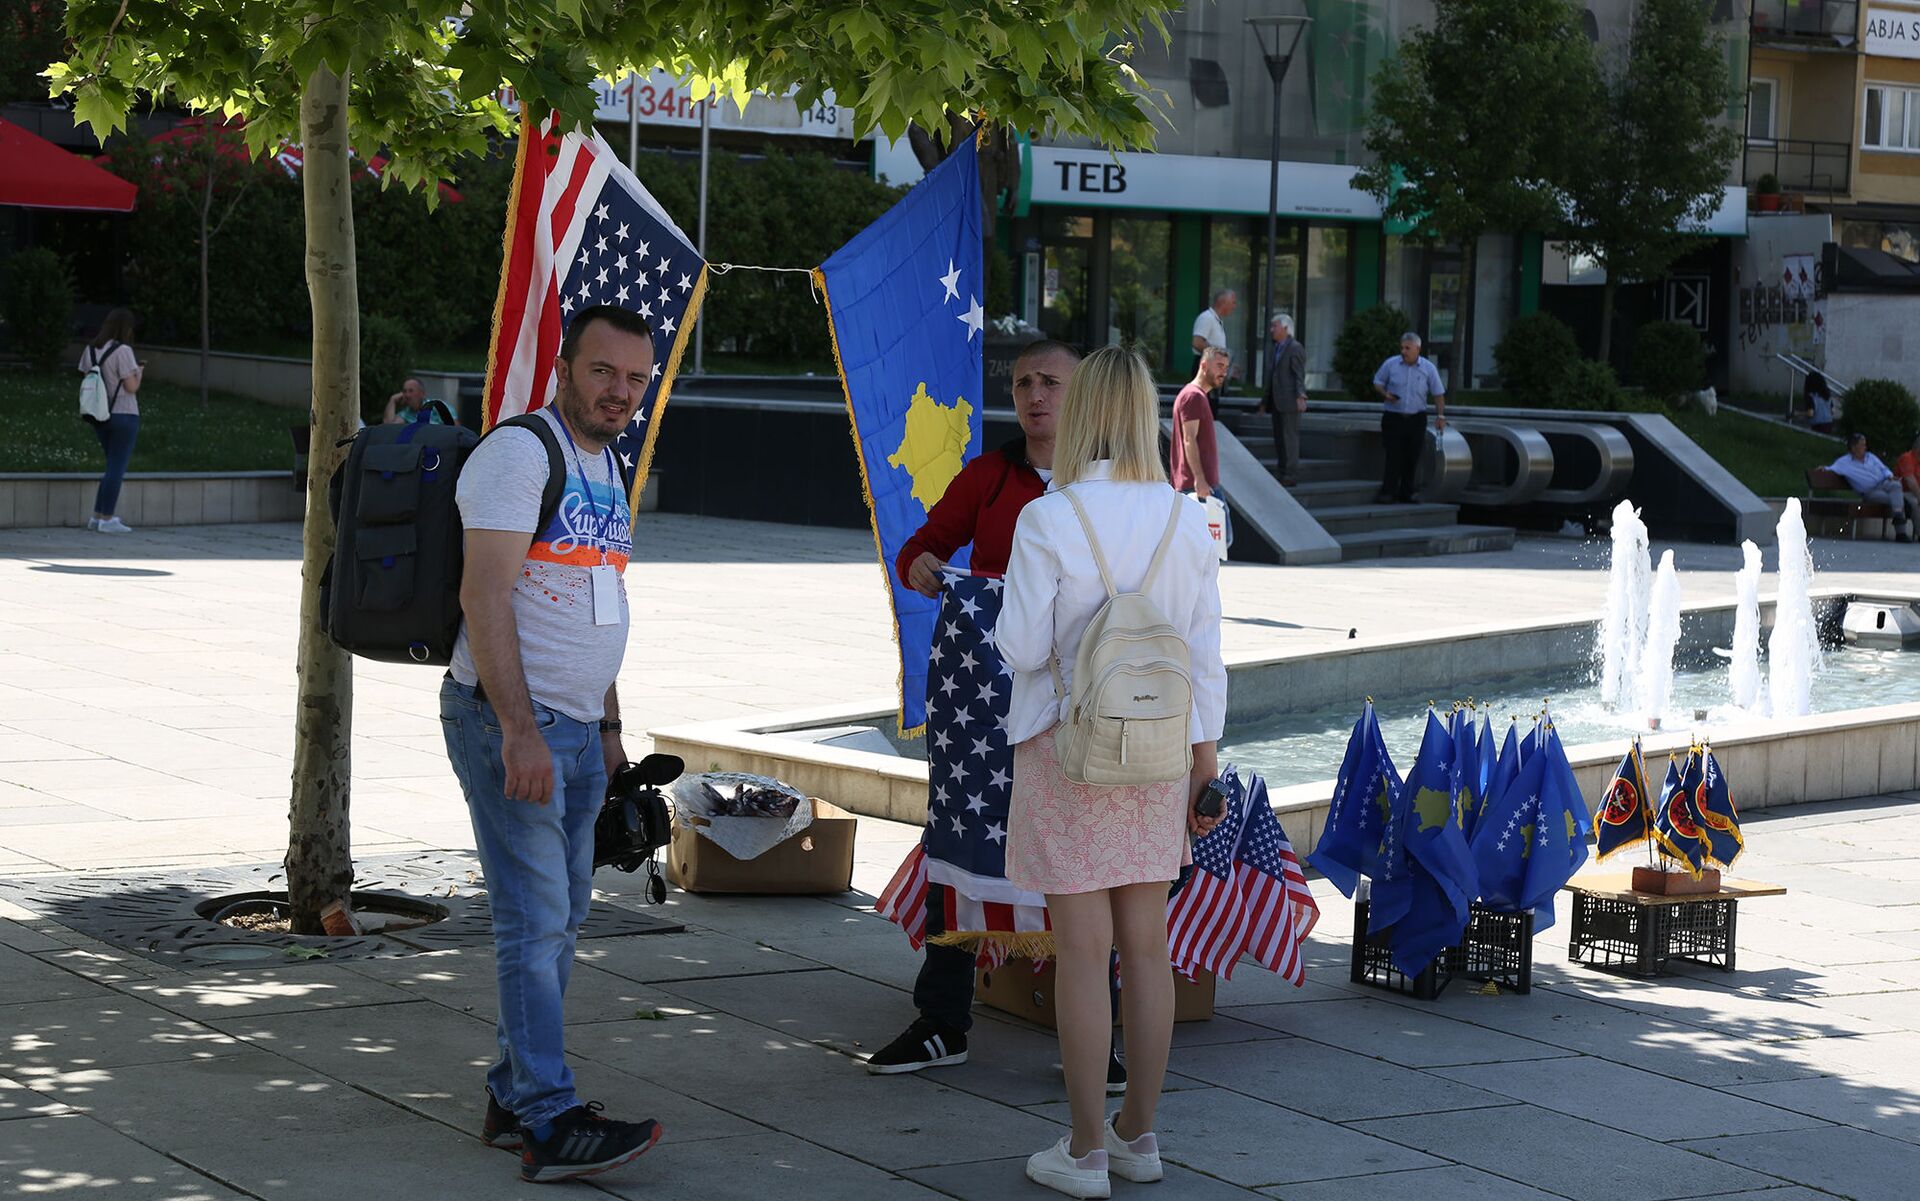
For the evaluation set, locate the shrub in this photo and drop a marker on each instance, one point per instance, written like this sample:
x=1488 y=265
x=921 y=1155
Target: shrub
x=1885 y=412
x=1669 y=359
x=386 y=355
x=39 y=306
x=1369 y=339
x=1589 y=384
x=1535 y=358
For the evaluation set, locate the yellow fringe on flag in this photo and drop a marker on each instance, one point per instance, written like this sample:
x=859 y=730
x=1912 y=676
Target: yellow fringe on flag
x=1012 y=944
x=506 y=254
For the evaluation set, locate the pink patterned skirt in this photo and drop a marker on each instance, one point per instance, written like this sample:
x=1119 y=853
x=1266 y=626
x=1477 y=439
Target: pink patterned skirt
x=1064 y=837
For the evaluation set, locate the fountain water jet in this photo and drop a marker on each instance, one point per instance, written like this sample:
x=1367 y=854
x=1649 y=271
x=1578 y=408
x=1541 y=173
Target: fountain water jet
x=1655 y=672
x=1743 y=673
x=1793 y=652
x=1623 y=633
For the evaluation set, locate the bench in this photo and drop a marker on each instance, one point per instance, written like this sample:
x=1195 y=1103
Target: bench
x=1850 y=509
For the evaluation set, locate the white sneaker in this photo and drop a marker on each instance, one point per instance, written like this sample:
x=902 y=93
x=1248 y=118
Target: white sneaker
x=113 y=525
x=1138 y=1161
x=93 y=523
x=1057 y=1169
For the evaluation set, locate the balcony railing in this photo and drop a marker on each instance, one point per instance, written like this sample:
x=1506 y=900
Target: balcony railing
x=1800 y=166
x=1830 y=21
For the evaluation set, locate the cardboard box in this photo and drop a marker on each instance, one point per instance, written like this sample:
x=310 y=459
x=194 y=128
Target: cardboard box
x=1015 y=988
x=819 y=859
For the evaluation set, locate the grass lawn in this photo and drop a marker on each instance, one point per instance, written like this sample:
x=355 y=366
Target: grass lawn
x=40 y=429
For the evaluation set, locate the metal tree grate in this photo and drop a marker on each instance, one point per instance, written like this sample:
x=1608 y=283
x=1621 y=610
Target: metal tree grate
x=157 y=915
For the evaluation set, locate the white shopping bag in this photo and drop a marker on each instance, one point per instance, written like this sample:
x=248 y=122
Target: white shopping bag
x=1217 y=524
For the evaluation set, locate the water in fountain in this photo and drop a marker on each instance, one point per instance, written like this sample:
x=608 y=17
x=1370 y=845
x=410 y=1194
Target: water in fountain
x=1623 y=632
x=1655 y=673
x=1793 y=652
x=1743 y=673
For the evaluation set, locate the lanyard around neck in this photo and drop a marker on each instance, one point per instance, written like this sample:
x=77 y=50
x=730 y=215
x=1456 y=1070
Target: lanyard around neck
x=602 y=524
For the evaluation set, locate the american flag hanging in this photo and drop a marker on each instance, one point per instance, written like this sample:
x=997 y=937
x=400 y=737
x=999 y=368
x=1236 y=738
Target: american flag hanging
x=969 y=785
x=582 y=232
x=1247 y=894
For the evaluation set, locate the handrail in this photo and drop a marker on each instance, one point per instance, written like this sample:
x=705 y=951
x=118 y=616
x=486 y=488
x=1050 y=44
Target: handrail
x=1835 y=388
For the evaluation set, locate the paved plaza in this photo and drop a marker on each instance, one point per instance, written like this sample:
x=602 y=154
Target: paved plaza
x=146 y=700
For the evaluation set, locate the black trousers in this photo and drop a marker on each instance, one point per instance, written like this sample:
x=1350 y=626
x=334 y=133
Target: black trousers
x=943 y=990
x=1402 y=438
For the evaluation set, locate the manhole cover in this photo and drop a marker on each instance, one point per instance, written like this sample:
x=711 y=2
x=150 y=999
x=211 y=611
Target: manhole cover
x=160 y=916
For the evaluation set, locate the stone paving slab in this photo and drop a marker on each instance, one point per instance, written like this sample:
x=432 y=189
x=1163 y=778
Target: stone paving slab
x=1585 y=1161
x=104 y=1031
x=72 y=1155
x=1006 y=1180
x=1252 y=1143
x=1327 y=1082
x=1411 y=1037
x=1422 y=1184
x=1628 y=1099
x=756 y=1168
x=1889 y=1107
x=1851 y=1163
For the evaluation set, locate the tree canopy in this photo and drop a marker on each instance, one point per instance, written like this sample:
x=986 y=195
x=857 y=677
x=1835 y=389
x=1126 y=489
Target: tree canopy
x=425 y=76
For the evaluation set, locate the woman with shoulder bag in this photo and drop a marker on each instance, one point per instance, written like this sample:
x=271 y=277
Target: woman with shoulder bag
x=121 y=373
x=1113 y=577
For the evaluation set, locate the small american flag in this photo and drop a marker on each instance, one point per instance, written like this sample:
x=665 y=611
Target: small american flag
x=584 y=232
x=1247 y=894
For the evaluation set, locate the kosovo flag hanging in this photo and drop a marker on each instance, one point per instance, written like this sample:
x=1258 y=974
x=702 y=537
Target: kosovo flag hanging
x=1350 y=841
x=903 y=299
x=1626 y=817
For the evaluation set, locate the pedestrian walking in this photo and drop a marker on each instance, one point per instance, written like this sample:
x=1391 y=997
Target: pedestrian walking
x=1285 y=395
x=532 y=723
x=1104 y=856
x=121 y=373
x=1406 y=383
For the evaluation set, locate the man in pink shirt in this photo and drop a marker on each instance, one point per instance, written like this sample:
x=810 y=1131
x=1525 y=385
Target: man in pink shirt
x=1193 y=458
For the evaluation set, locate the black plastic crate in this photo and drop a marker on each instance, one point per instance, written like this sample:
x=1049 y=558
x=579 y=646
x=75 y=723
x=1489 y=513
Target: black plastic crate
x=1643 y=939
x=1495 y=946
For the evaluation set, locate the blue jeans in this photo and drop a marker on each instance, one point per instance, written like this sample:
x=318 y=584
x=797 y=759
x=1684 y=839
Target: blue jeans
x=538 y=861
x=117 y=435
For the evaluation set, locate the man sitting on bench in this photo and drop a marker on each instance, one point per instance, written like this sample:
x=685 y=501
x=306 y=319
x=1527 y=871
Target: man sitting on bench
x=1877 y=485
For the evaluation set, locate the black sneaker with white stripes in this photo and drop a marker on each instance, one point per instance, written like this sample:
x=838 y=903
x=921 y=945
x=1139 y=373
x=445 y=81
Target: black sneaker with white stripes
x=1116 y=1074
x=583 y=1143
x=502 y=1129
x=926 y=1044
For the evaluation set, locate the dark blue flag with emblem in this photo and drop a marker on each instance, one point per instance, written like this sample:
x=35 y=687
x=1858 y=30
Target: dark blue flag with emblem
x=1719 y=820
x=1440 y=883
x=1675 y=828
x=1349 y=844
x=1626 y=815
x=903 y=300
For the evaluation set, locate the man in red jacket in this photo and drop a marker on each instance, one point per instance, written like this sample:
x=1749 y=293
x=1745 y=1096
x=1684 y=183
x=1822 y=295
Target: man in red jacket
x=980 y=506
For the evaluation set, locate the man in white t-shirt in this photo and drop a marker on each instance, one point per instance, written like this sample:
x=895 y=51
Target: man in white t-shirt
x=532 y=722
x=1210 y=329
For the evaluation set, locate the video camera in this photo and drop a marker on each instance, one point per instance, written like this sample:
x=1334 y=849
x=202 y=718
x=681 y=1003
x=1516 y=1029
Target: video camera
x=635 y=821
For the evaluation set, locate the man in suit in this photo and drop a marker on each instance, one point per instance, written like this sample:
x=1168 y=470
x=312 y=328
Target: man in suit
x=1286 y=395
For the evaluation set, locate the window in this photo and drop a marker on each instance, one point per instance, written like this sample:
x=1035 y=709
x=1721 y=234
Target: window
x=1761 y=108
x=1891 y=119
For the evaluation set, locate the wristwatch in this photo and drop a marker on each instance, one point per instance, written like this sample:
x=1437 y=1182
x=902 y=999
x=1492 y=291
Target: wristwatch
x=610 y=727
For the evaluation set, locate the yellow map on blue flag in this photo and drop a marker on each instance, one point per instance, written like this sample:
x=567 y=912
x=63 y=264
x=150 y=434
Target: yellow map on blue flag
x=904 y=301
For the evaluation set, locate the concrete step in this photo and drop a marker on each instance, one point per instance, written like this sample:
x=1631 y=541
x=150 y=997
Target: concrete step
x=1319 y=494
x=1353 y=519
x=1315 y=470
x=1424 y=540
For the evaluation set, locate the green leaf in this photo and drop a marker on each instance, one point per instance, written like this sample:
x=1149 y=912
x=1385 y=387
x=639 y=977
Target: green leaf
x=94 y=108
x=299 y=952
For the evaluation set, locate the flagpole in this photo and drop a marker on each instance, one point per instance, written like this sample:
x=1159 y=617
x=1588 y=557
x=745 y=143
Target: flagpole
x=633 y=123
x=700 y=327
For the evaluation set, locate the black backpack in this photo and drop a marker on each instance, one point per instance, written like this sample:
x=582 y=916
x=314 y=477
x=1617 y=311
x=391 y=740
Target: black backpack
x=392 y=589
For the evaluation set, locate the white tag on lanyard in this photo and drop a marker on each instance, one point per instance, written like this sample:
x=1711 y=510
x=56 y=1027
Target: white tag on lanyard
x=606 y=594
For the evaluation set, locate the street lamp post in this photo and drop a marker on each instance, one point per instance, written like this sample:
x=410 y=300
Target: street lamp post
x=1287 y=32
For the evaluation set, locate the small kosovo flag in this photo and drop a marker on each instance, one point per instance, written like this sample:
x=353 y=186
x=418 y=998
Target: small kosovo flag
x=1675 y=828
x=1626 y=818
x=1350 y=842
x=1719 y=821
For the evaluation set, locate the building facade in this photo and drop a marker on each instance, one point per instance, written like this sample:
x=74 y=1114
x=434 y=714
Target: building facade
x=1129 y=247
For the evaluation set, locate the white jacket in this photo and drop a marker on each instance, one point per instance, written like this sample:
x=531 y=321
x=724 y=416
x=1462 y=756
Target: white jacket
x=1053 y=589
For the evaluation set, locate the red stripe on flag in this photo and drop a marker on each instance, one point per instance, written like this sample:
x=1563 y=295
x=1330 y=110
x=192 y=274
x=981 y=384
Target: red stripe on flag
x=530 y=184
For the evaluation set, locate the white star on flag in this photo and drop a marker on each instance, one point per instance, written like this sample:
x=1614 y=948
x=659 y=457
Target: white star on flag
x=621 y=234
x=951 y=281
x=973 y=318
x=600 y=214
x=997 y=833
x=975 y=804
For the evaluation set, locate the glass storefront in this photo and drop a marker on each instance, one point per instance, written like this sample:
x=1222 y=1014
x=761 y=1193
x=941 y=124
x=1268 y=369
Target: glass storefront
x=1329 y=299
x=1140 y=289
x=1065 y=277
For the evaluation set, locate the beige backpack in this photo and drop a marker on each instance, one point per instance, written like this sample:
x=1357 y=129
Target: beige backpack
x=1126 y=718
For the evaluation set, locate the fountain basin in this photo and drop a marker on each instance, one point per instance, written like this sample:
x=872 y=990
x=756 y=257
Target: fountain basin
x=1859 y=751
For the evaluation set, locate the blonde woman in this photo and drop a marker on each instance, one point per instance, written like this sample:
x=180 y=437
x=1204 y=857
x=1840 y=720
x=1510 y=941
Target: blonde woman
x=1105 y=856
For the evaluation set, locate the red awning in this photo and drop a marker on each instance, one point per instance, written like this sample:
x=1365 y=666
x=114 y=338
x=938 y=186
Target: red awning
x=35 y=173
